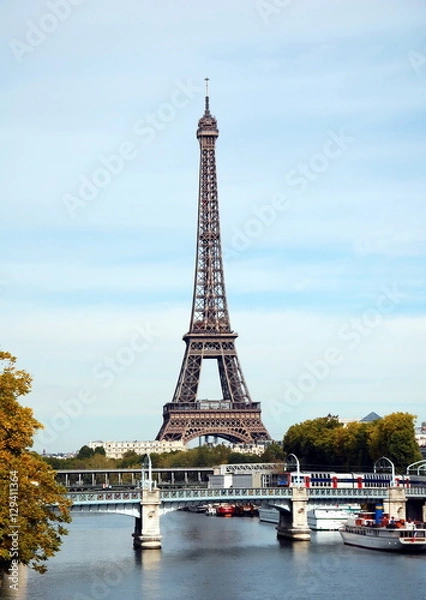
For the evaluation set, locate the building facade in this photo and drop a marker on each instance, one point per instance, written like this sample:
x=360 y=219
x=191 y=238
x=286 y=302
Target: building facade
x=118 y=449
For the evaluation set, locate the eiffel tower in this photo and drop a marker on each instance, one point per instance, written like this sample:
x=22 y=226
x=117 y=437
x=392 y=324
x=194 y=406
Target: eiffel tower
x=234 y=417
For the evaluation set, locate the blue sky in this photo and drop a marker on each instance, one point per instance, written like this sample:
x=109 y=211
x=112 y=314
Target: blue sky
x=320 y=106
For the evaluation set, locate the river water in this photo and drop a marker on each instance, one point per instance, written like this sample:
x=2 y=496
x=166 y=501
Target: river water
x=214 y=558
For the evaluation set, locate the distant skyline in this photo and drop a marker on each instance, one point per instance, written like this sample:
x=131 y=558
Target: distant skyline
x=320 y=156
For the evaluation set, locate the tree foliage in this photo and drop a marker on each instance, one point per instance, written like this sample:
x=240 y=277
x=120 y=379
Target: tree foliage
x=129 y=460
x=313 y=441
x=30 y=526
x=325 y=442
x=85 y=452
x=273 y=453
x=393 y=436
x=201 y=456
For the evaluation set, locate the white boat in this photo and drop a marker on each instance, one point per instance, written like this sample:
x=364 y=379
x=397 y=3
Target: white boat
x=324 y=518
x=211 y=510
x=330 y=518
x=197 y=508
x=363 y=532
x=269 y=515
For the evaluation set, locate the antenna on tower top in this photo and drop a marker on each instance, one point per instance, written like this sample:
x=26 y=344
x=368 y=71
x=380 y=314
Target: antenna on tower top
x=207 y=95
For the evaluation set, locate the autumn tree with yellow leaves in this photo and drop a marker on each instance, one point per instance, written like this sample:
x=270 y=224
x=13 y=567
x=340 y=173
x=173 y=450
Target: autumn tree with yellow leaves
x=33 y=508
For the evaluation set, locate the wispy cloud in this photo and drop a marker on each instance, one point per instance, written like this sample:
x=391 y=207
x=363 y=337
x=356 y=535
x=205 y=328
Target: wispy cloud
x=309 y=238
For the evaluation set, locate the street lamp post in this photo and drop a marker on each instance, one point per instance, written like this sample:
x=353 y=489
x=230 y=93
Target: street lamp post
x=146 y=463
x=299 y=482
x=392 y=466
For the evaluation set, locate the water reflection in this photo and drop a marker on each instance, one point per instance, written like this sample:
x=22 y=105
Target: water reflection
x=147 y=559
x=216 y=559
x=299 y=547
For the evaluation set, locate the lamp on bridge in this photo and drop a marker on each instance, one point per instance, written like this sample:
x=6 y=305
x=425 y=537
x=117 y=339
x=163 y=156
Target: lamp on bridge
x=147 y=464
x=299 y=482
x=379 y=464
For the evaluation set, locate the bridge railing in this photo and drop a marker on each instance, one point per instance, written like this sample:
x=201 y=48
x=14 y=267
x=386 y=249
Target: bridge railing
x=416 y=491
x=225 y=493
x=229 y=494
x=124 y=496
x=370 y=492
x=348 y=493
x=318 y=493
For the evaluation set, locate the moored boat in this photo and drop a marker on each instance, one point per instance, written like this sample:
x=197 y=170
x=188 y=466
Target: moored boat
x=269 y=515
x=197 y=508
x=210 y=510
x=330 y=518
x=225 y=510
x=324 y=518
x=363 y=531
x=246 y=510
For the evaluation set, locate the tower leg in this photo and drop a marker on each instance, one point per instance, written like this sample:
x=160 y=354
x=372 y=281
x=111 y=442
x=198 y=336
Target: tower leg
x=147 y=527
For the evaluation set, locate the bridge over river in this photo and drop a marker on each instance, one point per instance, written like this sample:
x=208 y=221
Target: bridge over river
x=148 y=504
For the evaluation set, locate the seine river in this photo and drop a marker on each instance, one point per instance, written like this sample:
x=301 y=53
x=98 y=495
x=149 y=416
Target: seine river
x=214 y=558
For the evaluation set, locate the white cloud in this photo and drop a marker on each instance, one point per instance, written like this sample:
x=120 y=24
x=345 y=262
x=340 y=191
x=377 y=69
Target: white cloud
x=75 y=288
x=369 y=376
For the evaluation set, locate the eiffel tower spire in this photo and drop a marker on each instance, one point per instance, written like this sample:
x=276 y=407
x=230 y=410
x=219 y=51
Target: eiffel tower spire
x=209 y=307
x=233 y=417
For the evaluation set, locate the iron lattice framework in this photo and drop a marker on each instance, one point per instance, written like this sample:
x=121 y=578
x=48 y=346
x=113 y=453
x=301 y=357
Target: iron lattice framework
x=234 y=417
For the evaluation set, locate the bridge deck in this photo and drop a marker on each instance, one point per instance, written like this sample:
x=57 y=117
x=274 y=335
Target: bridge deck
x=232 y=494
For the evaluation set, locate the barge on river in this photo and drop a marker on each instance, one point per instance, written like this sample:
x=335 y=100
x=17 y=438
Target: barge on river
x=362 y=532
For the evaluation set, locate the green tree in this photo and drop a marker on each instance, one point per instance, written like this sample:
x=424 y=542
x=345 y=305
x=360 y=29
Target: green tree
x=312 y=441
x=351 y=446
x=180 y=459
x=32 y=506
x=324 y=442
x=158 y=460
x=85 y=452
x=273 y=453
x=393 y=436
x=237 y=458
x=130 y=460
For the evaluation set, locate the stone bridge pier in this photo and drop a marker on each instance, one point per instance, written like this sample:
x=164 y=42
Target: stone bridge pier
x=293 y=524
x=397 y=505
x=147 y=534
x=396 y=502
